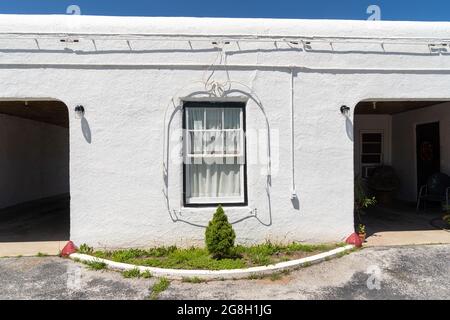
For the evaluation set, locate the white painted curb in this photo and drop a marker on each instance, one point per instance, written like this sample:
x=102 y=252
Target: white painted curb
x=178 y=274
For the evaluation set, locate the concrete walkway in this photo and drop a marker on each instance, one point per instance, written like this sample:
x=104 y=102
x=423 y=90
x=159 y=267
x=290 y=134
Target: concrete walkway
x=400 y=224
x=40 y=226
x=36 y=221
x=14 y=249
x=402 y=238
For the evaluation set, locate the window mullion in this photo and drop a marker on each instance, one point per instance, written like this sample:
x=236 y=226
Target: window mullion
x=187 y=137
x=203 y=133
x=222 y=133
x=241 y=135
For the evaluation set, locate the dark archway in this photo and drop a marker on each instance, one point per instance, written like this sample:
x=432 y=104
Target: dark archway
x=34 y=171
x=389 y=134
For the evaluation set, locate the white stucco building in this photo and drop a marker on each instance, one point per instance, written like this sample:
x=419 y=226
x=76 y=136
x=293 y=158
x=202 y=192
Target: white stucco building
x=265 y=95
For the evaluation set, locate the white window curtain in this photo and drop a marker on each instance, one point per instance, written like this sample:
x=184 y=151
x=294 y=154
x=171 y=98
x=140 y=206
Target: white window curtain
x=215 y=180
x=214 y=154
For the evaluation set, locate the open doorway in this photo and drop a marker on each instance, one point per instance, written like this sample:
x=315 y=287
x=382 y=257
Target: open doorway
x=400 y=147
x=34 y=171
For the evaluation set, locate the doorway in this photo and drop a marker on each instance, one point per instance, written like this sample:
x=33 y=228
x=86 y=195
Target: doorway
x=398 y=145
x=34 y=171
x=428 y=153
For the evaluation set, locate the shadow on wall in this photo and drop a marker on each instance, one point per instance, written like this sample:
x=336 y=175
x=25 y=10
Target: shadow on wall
x=349 y=128
x=86 y=130
x=295 y=203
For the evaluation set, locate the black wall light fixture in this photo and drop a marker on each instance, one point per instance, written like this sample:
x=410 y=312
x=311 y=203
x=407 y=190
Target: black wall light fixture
x=345 y=110
x=79 y=111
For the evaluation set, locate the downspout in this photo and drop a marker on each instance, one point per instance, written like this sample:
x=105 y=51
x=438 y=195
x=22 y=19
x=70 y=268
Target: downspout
x=293 y=188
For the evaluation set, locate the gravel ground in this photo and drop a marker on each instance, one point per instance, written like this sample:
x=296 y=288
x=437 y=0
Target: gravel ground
x=418 y=272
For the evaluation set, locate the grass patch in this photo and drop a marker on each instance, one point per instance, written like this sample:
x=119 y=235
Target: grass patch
x=41 y=255
x=199 y=258
x=159 y=287
x=255 y=277
x=95 y=265
x=132 y=273
x=272 y=276
x=192 y=280
x=276 y=276
x=85 y=249
x=136 y=273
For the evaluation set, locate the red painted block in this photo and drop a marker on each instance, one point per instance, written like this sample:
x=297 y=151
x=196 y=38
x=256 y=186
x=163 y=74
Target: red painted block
x=68 y=249
x=354 y=239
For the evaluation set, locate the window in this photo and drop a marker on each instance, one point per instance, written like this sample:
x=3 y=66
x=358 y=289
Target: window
x=214 y=151
x=371 y=151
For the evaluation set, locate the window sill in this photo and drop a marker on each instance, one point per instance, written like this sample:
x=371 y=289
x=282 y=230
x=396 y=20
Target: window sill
x=201 y=216
x=241 y=209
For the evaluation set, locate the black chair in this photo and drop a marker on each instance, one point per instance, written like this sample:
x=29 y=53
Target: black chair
x=437 y=189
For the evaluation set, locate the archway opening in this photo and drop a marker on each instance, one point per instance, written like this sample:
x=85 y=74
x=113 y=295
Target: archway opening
x=400 y=149
x=34 y=171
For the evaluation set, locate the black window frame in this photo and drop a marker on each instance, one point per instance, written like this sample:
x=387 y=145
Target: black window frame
x=216 y=104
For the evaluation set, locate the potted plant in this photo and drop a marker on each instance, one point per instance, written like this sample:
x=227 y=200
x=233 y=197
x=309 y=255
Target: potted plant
x=446 y=219
x=446 y=216
x=362 y=200
x=384 y=182
x=362 y=232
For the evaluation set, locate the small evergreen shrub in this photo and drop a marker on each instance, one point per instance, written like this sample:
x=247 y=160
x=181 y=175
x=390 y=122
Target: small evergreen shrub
x=219 y=235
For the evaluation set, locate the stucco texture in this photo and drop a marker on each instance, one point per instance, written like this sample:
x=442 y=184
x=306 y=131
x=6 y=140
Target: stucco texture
x=116 y=151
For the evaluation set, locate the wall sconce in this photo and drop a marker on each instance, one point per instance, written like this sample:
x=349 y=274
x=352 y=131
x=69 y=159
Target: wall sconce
x=345 y=110
x=79 y=112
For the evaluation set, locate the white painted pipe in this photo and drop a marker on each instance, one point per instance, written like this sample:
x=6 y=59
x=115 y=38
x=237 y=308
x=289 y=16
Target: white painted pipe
x=293 y=190
x=286 y=68
x=222 y=37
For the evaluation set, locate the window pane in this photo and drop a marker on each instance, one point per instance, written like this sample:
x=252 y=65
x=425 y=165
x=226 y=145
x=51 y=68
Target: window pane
x=196 y=118
x=371 y=158
x=369 y=171
x=371 y=137
x=232 y=118
x=232 y=142
x=213 y=132
x=213 y=142
x=371 y=148
x=196 y=142
x=215 y=180
x=213 y=118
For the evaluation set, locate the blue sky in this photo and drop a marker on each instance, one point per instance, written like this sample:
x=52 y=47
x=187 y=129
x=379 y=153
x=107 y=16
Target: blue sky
x=431 y=10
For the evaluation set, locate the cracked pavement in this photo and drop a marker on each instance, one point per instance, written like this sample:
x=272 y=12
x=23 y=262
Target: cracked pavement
x=410 y=272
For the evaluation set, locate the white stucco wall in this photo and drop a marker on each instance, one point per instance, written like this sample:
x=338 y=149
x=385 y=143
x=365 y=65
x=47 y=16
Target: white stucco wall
x=116 y=173
x=34 y=160
x=404 y=144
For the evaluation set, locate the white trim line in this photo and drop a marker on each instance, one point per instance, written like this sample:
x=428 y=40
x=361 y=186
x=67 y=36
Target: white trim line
x=194 y=66
x=224 y=37
x=178 y=274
